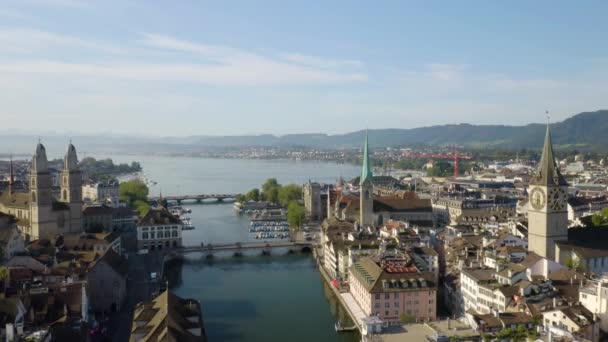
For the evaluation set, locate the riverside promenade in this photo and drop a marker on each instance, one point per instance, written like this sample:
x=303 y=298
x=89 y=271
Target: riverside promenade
x=346 y=299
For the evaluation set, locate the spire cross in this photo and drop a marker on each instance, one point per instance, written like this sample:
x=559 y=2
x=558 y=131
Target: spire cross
x=548 y=117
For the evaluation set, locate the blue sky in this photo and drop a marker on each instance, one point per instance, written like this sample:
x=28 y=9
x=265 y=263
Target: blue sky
x=251 y=67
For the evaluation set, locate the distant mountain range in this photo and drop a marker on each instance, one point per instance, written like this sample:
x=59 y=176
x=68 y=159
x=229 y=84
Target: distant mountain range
x=584 y=131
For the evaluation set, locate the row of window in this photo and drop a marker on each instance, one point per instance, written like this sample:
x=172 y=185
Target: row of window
x=160 y=235
x=160 y=245
x=145 y=229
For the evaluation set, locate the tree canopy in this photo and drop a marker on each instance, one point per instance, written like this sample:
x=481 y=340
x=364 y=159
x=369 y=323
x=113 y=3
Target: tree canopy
x=135 y=194
x=601 y=218
x=295 y=214
x=289 y=193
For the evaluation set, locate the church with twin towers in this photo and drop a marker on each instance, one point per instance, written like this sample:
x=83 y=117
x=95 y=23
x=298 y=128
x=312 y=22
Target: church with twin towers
x=40 y=214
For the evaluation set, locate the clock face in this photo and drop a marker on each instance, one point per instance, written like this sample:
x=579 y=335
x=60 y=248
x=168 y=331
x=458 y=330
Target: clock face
x=557 y=199
x=538 y=198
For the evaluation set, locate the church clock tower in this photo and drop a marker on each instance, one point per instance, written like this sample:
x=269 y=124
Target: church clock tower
x=366 y=198
x=548 y=211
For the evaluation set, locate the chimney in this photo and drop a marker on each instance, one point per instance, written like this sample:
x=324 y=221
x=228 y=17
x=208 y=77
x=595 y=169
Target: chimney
x=554 y=302
x=497 y=268
x=571 y=281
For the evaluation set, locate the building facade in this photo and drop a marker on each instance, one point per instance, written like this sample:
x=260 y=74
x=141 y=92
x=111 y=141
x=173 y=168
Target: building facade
x=159 y=229
x=393 y=290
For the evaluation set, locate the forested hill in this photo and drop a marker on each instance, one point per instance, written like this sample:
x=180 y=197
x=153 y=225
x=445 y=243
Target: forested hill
x=583 y=131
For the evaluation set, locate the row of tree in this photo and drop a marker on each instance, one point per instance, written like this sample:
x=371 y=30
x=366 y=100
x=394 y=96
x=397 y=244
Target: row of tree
x=103 y=168
x=288 y=196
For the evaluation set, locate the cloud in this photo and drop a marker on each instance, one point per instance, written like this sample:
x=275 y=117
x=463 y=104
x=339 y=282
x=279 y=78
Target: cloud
x=207 y=64
x=24 y=39
x=13 y=14
x=252 y=73
x=57 y=3
x=319 y=62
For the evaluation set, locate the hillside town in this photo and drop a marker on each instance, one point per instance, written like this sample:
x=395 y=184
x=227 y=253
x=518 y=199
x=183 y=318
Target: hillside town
x=512 y=251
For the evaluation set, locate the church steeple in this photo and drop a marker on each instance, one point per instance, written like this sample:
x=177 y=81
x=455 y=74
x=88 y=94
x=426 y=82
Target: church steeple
x=11 y=180
x=70 y=161
x=39 y=161
x=366 y=198
x=366 y=170
x=548 y=173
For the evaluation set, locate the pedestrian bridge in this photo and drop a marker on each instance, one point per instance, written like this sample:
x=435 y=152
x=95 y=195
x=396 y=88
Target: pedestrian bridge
x=239 y=248
x=195 y=198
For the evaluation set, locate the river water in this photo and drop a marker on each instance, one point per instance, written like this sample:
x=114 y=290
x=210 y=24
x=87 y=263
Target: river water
x=255 y=298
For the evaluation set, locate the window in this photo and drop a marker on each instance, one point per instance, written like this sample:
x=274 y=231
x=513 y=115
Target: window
x=174 y=233
x=386 y=313
x=387 y=296
x=387 y=305
x=144 y=236
x=396 y=295
x=377 y=296
x=151 y=235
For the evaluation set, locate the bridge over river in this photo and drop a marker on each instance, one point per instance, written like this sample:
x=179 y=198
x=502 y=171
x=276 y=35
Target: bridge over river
x=195 y=198
x=239 y=248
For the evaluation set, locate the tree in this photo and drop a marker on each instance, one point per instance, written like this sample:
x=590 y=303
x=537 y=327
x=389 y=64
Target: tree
x=269 y=184
x=405 y=319
x=601 y=218
x=441 y=169
x=253 y=195
x=295 y=215
x=241 y=198
x=521 y=333
x=135 y=194
x=272 y=195
x=289 y=193
x=575 y=264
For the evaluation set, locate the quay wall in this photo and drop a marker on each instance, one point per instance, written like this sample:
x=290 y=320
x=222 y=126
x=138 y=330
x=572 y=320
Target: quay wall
x=337 y=293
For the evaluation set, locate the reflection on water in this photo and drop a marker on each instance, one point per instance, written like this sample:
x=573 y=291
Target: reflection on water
x=277 y=298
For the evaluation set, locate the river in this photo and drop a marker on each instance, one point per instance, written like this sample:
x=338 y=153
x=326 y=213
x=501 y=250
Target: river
x=255 y=298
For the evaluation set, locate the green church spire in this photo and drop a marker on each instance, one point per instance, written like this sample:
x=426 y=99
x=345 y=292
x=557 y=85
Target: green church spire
x=366 y=171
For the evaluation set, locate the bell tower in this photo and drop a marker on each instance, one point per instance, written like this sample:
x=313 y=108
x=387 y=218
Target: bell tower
x=41 y=196
x=548 y=213
x=71 y=190
x=366 y=197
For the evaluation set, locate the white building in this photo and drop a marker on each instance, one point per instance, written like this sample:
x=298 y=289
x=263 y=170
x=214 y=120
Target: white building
x=102 y=192
x=594 y=297
x=159 y=229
